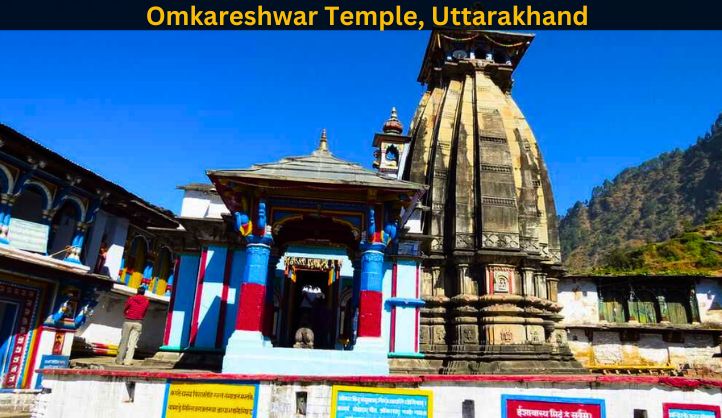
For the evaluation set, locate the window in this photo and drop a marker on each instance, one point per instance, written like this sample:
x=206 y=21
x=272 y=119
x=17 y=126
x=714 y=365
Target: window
x=611 y=305
x=642 y=307
x=30 y=204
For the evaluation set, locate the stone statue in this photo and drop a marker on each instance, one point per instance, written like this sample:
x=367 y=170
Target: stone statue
x=304 y=334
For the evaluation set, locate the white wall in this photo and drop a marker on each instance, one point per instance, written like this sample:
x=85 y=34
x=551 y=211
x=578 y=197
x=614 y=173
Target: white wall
x=106 y=323
x=198 y=204
x=579 y=300
x=709 y=300
x=117 y=233
x=90 y=396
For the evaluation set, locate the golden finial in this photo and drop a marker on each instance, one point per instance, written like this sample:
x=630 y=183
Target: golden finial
x=394 y=114
x=323 y=143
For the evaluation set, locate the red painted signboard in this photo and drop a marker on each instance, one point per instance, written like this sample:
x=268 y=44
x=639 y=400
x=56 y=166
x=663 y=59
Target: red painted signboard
x=549 y=407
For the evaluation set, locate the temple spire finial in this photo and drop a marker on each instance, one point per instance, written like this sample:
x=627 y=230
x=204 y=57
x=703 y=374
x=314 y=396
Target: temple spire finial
x=393 y=125
x=323 y=142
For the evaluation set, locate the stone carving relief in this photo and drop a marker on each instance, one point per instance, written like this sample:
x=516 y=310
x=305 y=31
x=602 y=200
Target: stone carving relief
x=439 y=335
x=464 y=240
x=424 y=335
x=437 y=280
x=468 y=335
x=498 y=201
x=529 y=244
x=437 y=244
x=499 y=240
x=501 y=282
x=506 y=336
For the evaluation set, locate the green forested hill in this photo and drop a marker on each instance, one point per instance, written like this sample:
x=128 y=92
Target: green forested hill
x=652 y=202
x=695 y=251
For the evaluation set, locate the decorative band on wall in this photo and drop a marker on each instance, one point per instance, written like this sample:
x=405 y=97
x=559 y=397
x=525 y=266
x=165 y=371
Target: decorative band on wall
x=494 y=168
x=499 y=240
x=498 y=201
x=331 y=266
x=494 y=139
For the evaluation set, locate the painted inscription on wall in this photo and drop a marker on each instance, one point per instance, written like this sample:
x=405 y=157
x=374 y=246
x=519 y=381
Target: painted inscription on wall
x=366 y=402
x=209 y=400
x=48 y=361
x=513 y=406
x=678 y=410
x=29 y=236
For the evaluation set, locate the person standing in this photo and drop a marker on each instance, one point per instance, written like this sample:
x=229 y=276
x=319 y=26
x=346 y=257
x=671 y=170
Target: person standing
x=135 y=308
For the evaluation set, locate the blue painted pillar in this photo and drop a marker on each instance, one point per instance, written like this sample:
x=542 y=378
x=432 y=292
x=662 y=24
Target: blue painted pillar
x=371 y=297
x=248 y=337
x=73 y=254
x=5 y=209
x=253 y=288
x=169 y=283
x=147 y=274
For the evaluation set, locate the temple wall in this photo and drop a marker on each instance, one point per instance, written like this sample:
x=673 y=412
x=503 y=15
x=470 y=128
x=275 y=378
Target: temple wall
x=209 y=307
x=105 y=326
x=698 y=351
x=579 y=300
x=183 y=304
x=78 y=395
x=117 y=230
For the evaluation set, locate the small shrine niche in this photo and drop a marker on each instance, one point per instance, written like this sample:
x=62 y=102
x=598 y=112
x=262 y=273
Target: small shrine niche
x=390 y=145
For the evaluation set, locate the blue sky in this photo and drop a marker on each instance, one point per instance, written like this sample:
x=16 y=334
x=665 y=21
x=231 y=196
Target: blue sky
x=153 y=110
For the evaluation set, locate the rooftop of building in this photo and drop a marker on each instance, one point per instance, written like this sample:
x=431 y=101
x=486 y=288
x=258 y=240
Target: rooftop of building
x=514 y=43
x=319 y=167
x=119 y=200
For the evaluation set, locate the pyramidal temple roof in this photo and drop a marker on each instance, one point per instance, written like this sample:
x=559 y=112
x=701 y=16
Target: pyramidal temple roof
x=319 y=167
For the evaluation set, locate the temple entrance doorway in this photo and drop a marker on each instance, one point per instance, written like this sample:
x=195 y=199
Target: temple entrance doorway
x=314 y=281
x=313 y=303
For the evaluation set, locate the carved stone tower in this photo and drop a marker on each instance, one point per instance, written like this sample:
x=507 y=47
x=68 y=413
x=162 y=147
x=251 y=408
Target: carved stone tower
x=488 y=225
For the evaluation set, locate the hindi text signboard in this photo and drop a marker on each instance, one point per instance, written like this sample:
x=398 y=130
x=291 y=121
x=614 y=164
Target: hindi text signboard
x=513 y=406
x=368 y=402
x=191 y=399
x=680 y=410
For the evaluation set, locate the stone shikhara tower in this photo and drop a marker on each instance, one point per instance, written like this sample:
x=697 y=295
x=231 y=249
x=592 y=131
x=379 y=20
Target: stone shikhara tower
x=487 y=224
